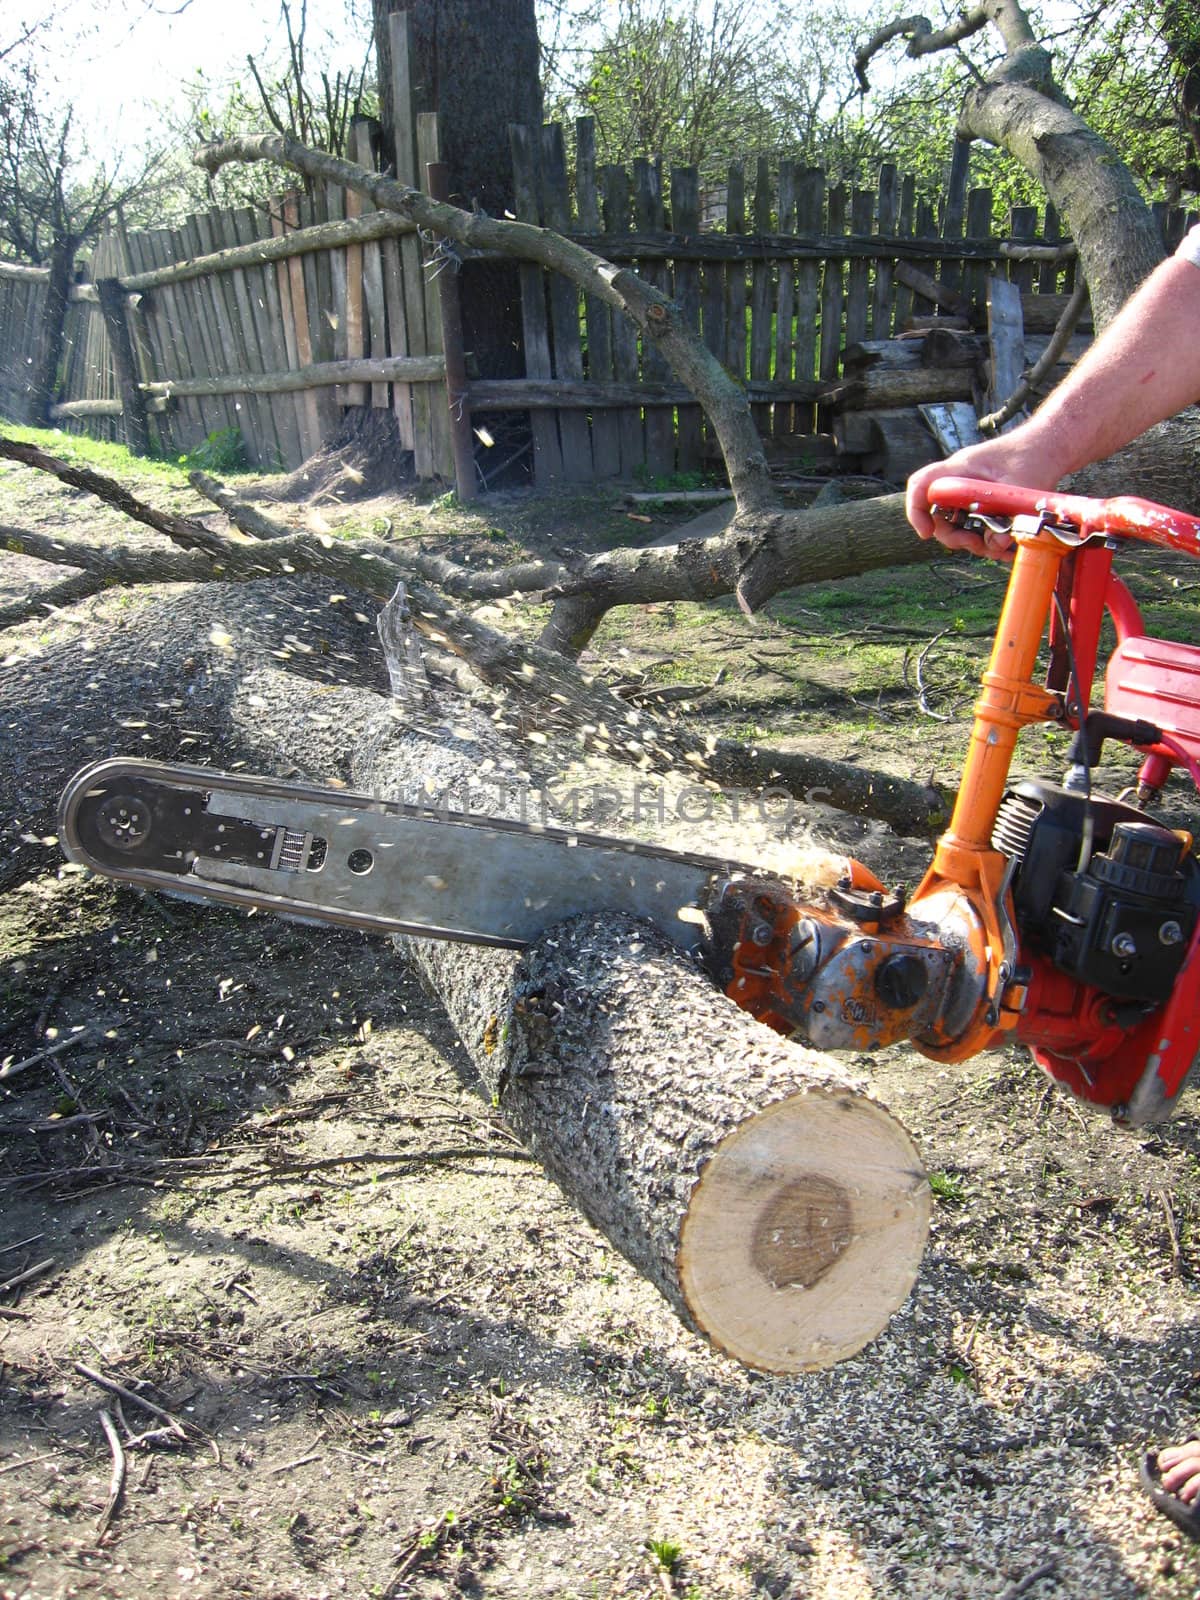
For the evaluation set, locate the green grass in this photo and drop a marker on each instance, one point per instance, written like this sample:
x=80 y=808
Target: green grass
x=114 y=459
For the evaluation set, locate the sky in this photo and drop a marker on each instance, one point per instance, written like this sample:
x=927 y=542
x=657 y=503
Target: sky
x=114 y=65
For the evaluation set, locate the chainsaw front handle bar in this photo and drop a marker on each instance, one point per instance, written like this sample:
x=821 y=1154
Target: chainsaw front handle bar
x=959 y=500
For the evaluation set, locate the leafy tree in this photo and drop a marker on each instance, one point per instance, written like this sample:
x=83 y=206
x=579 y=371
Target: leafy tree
x=51 y=193
x=681 y=81
x=1136 y=78
x=702 y=81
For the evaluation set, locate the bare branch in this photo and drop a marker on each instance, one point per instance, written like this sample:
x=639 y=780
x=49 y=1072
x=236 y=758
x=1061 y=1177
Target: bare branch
x=923 y=38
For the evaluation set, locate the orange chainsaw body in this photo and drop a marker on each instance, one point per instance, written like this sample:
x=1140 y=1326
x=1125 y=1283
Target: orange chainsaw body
x=1088 y=955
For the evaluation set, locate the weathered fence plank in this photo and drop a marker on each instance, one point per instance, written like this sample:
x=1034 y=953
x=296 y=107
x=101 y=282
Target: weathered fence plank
x=617 y=200
x=547 y=452
x=649 y=218
x=412 y=406
x=564 y=307
x=886 y=211
x=288 y=277
x=810 y=216
x=598 y=318
x=685 y=219
x=858 y=285
x=783 y=420
x=831 y=300
x=439 y=422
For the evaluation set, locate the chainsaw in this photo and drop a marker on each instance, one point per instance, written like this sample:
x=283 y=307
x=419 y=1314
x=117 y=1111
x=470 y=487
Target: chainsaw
x=1052 y=914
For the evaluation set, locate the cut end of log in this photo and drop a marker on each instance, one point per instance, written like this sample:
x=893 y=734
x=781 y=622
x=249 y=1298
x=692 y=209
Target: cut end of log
x=805 y=1232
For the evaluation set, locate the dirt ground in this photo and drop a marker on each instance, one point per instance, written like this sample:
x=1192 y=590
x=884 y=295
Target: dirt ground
x=368 y=1350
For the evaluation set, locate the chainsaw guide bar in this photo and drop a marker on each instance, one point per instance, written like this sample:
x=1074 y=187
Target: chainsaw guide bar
x=382 y=866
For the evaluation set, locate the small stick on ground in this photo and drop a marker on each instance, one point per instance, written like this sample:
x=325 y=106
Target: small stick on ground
x=1023 y=1585
x=1164 y=1199
x=7 y=1249
x=30 y=1272
x=41 y=1055
x=32 y=1461
x=300 y=1461
x=117 y=1483
x=113 y=1387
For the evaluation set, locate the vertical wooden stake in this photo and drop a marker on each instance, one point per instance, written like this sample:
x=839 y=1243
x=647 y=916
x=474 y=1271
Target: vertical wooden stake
x=133 y=401
x=465 y=482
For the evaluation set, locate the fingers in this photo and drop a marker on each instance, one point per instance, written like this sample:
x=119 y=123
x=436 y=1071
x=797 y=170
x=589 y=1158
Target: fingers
x=916 y=503
x=1179 y=1469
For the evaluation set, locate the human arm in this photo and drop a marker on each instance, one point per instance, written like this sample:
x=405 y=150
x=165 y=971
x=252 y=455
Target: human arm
x=1144 y=367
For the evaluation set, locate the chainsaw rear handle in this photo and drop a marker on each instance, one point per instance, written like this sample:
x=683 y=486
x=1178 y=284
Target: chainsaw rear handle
x=1123 y=516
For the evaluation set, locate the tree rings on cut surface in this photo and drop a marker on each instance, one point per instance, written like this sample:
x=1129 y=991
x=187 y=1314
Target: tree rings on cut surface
x=805 y=1232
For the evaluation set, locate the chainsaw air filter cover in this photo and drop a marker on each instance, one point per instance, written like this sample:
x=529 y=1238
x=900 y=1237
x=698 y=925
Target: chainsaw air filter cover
x=1110 y=896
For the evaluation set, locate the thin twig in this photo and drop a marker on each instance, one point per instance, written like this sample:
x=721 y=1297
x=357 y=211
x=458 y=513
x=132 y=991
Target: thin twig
x=32 y=1461
x=7 y=1249
x=1173 y=1230
x=1023 y=1585
x=117 y=1483
x=300 y=1461
x=14 y=1067
x=30 y=1272
x=113 y=1387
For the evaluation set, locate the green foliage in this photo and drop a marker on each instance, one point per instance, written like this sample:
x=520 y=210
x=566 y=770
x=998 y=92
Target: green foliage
x=948 y=1187
x=702 y=82
x=1135 y=78
x=666 y=1552
x=223 y=451
x=297 y=91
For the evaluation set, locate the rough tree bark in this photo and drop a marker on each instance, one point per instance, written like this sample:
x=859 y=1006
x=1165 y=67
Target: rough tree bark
x=43 y=382
x=477 y=66
x=779 y=1210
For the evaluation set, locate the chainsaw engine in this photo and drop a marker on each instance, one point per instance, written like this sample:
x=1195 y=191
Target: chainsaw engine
x=1102 y=891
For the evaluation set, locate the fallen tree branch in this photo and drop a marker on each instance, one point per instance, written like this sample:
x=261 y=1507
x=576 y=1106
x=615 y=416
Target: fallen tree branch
x=55 y=597
x=248 y=518
x=135 y=1399
x=552 y=686
x=181 y=529
x=117 y=1482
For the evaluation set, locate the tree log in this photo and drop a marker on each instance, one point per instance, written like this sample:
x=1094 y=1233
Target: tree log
x=320 y=375
x=888 y=389
x=778 y=1209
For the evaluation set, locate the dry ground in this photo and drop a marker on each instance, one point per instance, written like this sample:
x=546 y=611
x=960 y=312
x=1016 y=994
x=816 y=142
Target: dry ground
x=401 y=1365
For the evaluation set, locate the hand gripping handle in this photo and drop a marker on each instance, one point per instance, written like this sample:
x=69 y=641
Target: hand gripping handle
x=1123 y=516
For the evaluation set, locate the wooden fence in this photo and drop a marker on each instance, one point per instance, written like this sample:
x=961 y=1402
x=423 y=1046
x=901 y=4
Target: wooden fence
x=273 y=323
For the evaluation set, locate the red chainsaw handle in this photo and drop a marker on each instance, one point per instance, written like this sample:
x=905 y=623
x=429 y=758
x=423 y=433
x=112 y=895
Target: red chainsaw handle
x=1124 y=516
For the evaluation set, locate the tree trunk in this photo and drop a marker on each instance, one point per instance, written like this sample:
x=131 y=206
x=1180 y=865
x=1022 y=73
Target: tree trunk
x=153 y=683
x=778 y=1209
x=1095 y=193
x=478 y=67
x=43 y=383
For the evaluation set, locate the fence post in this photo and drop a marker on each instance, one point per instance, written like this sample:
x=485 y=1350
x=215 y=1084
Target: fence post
x=133 y=401
x=461 y=439
x=44 y=382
